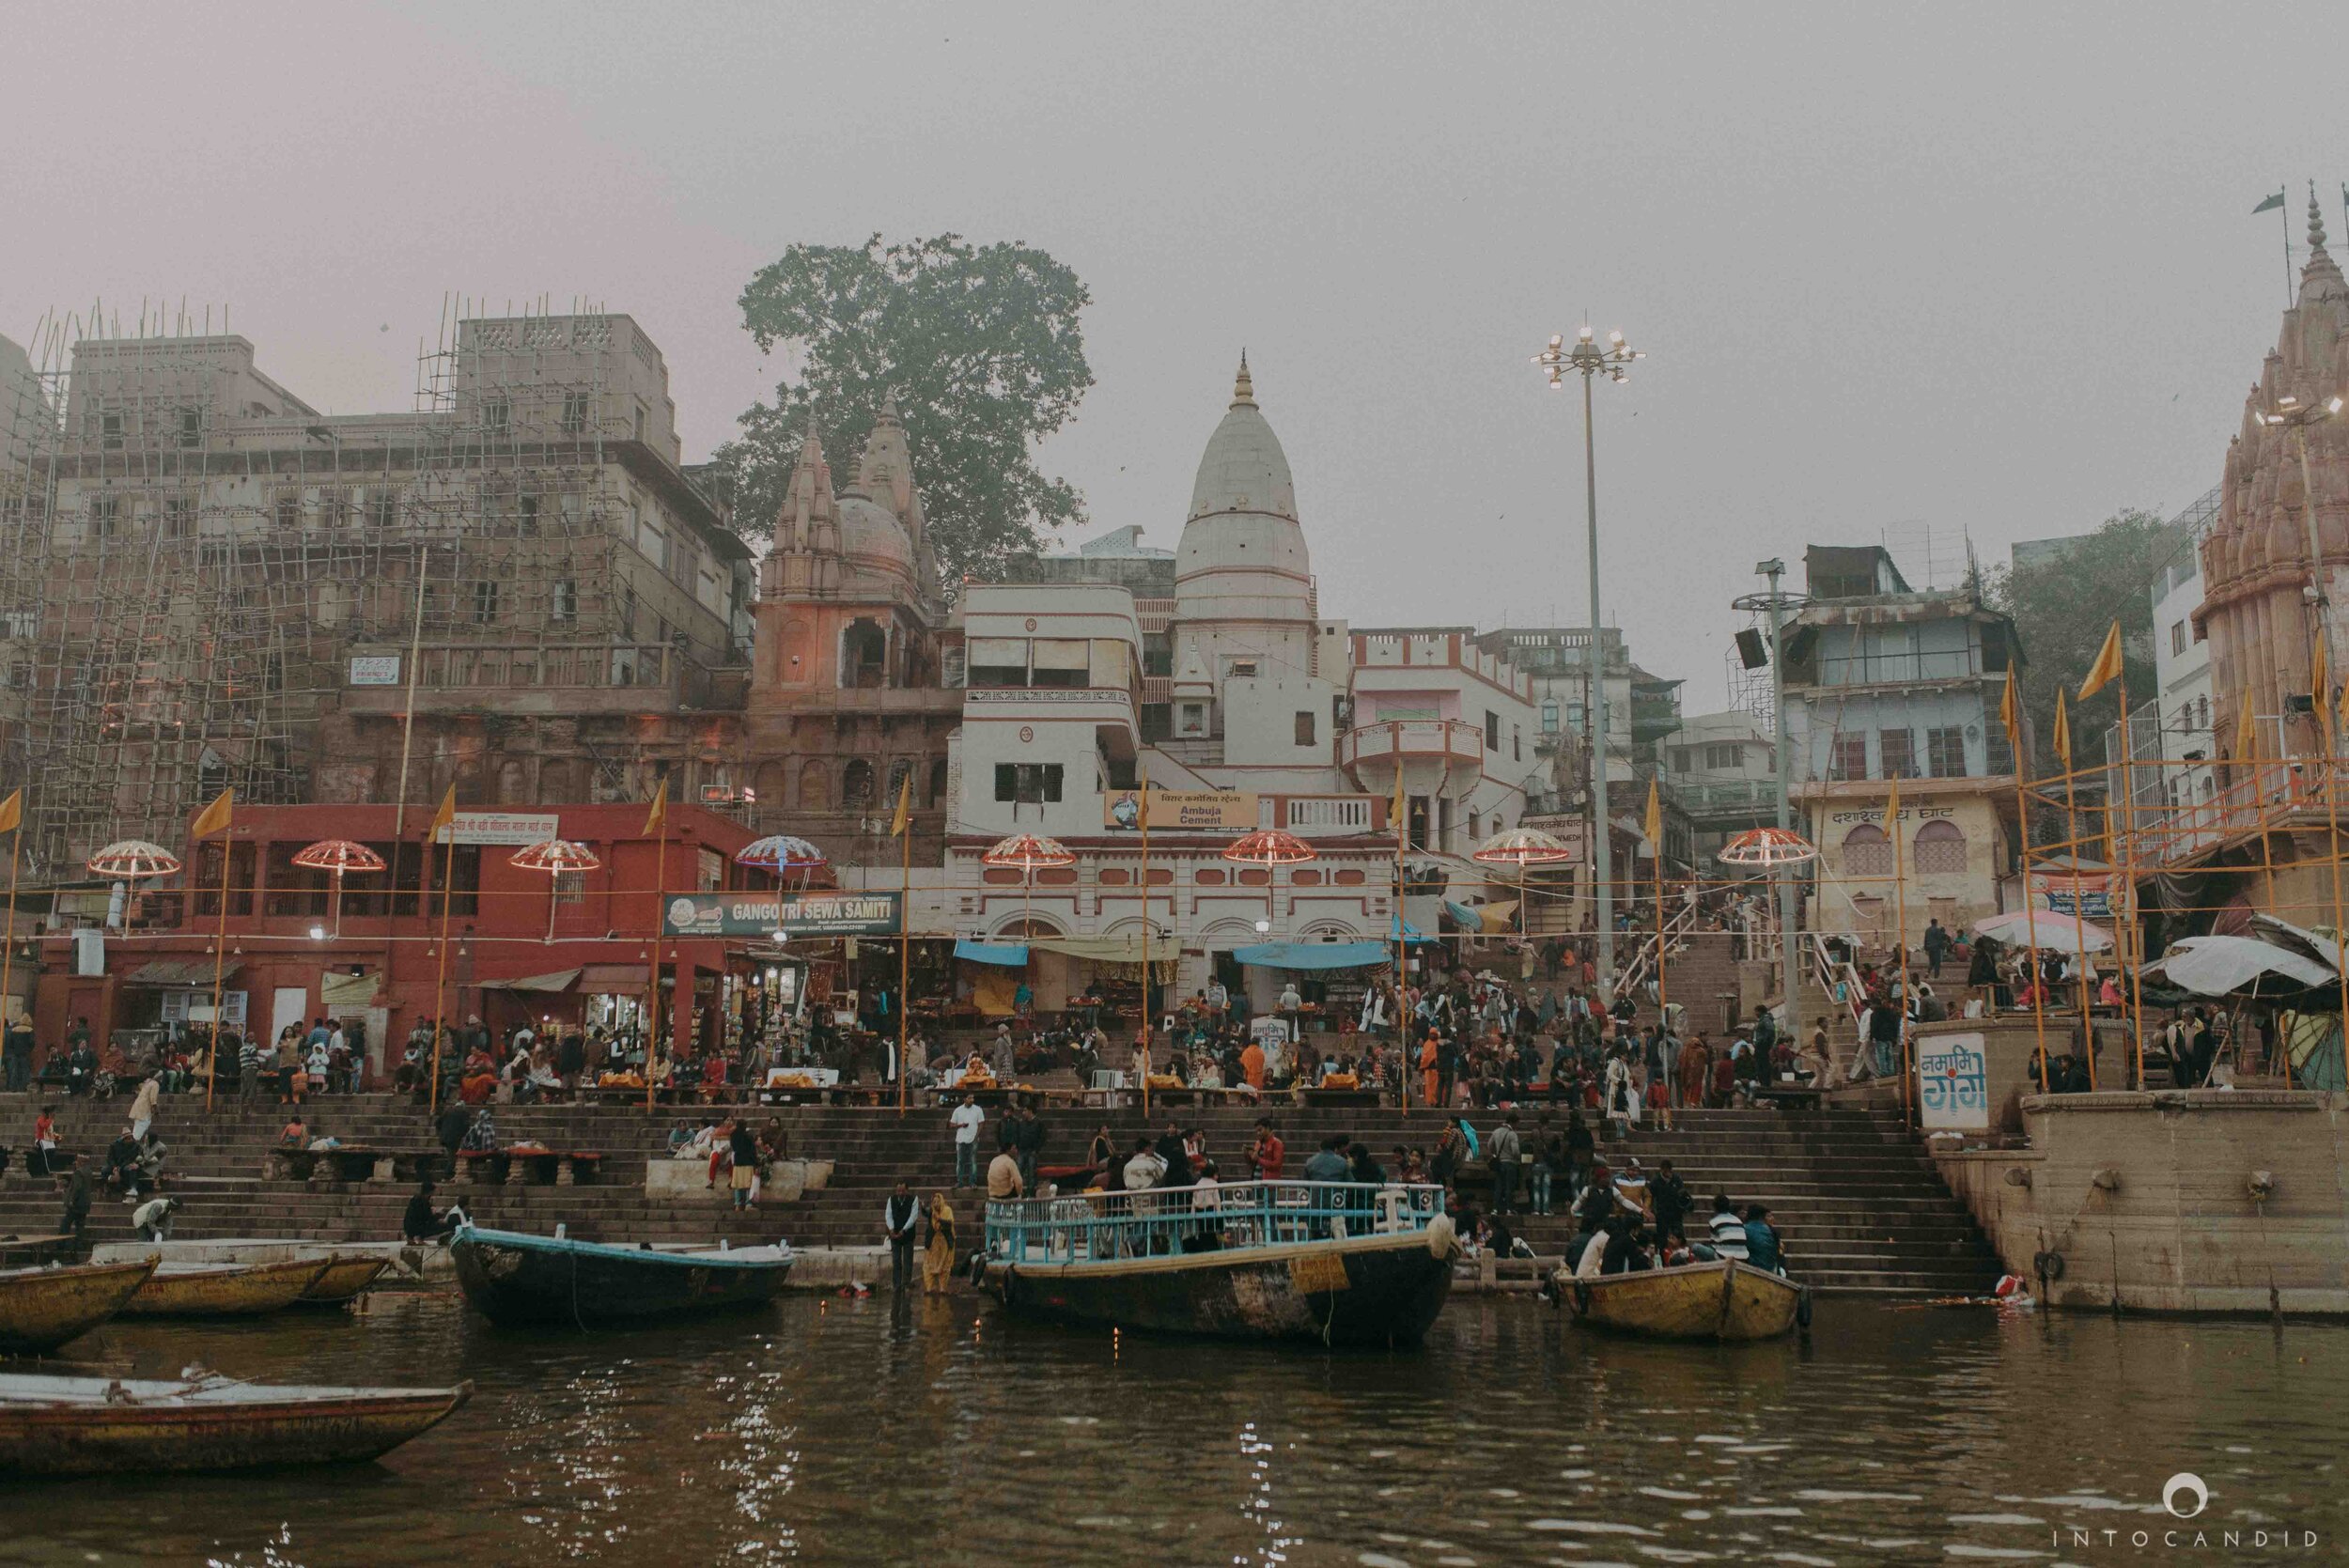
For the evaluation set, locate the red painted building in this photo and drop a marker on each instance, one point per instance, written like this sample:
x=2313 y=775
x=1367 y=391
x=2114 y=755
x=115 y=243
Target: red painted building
x=521 y=944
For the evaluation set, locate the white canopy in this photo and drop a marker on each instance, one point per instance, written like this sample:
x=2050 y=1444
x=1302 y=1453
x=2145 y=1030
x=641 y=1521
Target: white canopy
x=2047 y=929
x=2220 y=966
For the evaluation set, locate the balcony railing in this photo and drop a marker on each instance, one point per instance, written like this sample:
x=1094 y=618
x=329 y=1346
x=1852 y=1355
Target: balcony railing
x=1318 y=815
x=1411 y=738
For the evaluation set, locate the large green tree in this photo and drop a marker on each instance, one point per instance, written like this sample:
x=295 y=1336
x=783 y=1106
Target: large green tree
x=2063 y=607
x=980 y=346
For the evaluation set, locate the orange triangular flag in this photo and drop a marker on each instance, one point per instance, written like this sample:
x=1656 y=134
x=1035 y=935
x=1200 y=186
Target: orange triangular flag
x=657 y=817
x=12 y=812
x=446 y=816
x=215 y=817
x=2063 y=732
x=2107 y=667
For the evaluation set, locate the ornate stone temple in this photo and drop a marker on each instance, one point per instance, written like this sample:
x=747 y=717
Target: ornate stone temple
x=2257 y=610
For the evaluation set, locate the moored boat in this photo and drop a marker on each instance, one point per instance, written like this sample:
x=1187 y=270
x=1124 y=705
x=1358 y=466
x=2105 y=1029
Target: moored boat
x=346 y=1278
x=511 y=1277
x=1725 y=1300
x=223 y=1290
x=99 y=1425
x=1328 y=1263
x=41 y=1308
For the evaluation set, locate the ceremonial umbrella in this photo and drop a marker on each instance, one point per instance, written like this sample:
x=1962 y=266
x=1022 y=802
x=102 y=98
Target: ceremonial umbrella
x=782 y=853
x=555 y=856
x=1523 y=848
x=338 y=855
x=1029 y=853
x=134 y=860
x=1768 y=846
x=1269 y=849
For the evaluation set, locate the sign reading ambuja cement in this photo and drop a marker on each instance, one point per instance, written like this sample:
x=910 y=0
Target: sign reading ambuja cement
x=500 y=827
x=801 y=914
x=1204 y=810
x=1954 y=1083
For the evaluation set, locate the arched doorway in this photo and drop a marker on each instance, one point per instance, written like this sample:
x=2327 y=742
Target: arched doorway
x=863 y=654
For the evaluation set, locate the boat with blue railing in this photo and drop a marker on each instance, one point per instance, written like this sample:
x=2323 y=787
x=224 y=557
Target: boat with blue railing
x=1335 y=1262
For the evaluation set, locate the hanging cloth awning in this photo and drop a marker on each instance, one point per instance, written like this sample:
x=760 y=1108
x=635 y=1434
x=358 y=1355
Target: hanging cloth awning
x=1314 y=955
x=1010 y=954
x=559 y=980
x=1496 y=916
x=1464 y=916
x=339 y=988
x=1413 y=935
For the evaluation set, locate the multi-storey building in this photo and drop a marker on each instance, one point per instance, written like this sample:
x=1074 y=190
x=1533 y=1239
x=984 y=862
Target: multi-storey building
x=1886 y=683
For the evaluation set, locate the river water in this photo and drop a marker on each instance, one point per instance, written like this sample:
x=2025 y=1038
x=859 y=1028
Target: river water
x=835 y=1431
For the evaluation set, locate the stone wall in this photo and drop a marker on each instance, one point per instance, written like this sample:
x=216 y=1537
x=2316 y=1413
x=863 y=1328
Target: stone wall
x=2204 y=1201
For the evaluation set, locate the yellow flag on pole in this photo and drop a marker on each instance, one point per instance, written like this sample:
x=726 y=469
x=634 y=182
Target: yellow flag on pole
x=215 y=817
x=2320 y=689
x=446 y=816
x=2011 y=714
x=2063 y=732
x=2107 y=667
x=1395 y=807
x=657 y=817
x=904 y=815
x=1892 y=810
x=2246 y=730
x=1654 y=818
x=12 y=812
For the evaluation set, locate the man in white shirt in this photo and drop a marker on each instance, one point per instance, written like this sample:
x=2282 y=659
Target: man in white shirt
x=967 y=1118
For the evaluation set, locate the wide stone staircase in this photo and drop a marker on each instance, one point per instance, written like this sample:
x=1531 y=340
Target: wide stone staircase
x=1860 y=1206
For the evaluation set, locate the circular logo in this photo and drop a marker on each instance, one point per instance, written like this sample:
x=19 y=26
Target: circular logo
x=1027 y=733
x=1031 y=623
x=681 y=912
x=2184 y=1495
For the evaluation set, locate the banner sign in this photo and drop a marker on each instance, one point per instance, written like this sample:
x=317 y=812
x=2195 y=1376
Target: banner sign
x=1200 y=810
x=500 y=827
x=2088 y=896
x=800 y=914
x=1954 y=1083
x=375 y=669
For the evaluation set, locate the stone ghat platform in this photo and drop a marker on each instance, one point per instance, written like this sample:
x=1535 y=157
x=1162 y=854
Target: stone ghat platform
x=1859 y=1205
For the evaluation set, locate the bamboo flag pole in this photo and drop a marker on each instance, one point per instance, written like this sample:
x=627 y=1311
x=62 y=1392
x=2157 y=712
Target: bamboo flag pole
x=406 y=741
x=901 y=825
x=656 y=821
x=12 y=824
x=1398 y=810
x=215 y=818
x=1143 y=1041
x=443 y=820
x=1899 y=939
x=2110 y=667
x=1655 y=826
x=2072 y=838
x=2010 y=711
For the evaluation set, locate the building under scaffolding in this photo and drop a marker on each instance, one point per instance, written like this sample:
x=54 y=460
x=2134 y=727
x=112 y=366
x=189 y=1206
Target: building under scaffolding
x=206 y=582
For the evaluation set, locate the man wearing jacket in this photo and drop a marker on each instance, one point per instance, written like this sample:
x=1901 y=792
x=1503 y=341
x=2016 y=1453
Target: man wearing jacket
x=898 y=1217
x=1501 y=1152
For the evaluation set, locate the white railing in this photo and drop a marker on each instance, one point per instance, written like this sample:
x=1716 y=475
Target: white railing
x=1645 y=958
x=1317 y=813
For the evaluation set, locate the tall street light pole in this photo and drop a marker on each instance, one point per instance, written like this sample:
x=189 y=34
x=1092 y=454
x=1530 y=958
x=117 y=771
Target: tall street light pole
x=1775 y=604
x=1591 y=361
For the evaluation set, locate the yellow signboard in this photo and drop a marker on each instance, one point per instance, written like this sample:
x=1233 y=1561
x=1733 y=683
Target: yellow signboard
x=1200 y=810
x=1319 y=1274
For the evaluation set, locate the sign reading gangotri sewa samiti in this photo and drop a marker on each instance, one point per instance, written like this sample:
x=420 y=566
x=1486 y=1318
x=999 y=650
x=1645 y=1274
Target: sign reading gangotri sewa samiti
x=799 y=914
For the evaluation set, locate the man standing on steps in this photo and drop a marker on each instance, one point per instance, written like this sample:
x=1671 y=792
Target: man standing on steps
x=1670 y=1196
x=1936 y=947
x=898 y=1217
x=967 y=1118
x=1500 y=1152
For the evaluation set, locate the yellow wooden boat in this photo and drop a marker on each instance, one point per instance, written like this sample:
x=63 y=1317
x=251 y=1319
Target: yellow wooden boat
x=99 y=1425
x=41 y=1308
x=1725 y=1300
x=224 y=1290
x=346 y=1278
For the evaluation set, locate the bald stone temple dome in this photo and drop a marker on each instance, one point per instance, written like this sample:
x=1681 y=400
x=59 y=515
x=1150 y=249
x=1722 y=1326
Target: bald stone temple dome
x=1243 y=469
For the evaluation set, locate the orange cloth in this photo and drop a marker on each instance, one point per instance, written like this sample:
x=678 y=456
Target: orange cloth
x=1252 y=1064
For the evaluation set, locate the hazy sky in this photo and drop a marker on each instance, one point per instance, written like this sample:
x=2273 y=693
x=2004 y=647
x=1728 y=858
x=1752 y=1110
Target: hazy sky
x=1989 y=269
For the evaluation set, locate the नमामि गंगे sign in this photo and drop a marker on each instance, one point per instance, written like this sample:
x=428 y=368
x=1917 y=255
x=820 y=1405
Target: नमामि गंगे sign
x=800 y=914
x=1954 y=1083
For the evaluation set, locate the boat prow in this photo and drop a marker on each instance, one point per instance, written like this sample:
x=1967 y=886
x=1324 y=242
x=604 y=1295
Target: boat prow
x=41 y=1308
x=99 y=1425
x=345 y=1278
x=1725 y=1300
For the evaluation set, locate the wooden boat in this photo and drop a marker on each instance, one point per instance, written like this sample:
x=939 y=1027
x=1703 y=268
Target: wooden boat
x=1141 y=1260
x=97 y=1426
x=1725 y=1300
x=514 y=1279
x=41 y=1308
x=223 y=1290
x=346 y=1278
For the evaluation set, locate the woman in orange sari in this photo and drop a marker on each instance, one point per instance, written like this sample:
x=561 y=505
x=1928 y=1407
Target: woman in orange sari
x=1695 y=1064
x=1431 y=1092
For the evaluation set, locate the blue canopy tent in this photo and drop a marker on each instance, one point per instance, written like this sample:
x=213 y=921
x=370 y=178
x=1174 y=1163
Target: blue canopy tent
x=1413 y=935
x=1009 y=955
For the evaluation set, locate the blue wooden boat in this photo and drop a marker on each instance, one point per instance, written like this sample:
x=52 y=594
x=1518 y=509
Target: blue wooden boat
x=1328 y=1263
x=513 y=1279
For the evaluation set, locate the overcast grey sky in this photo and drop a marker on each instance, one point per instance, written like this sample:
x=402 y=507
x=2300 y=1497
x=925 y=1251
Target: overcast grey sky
x=1990 y=269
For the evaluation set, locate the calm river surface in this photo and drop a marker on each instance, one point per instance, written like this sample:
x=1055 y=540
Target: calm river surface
x=829 y=1431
